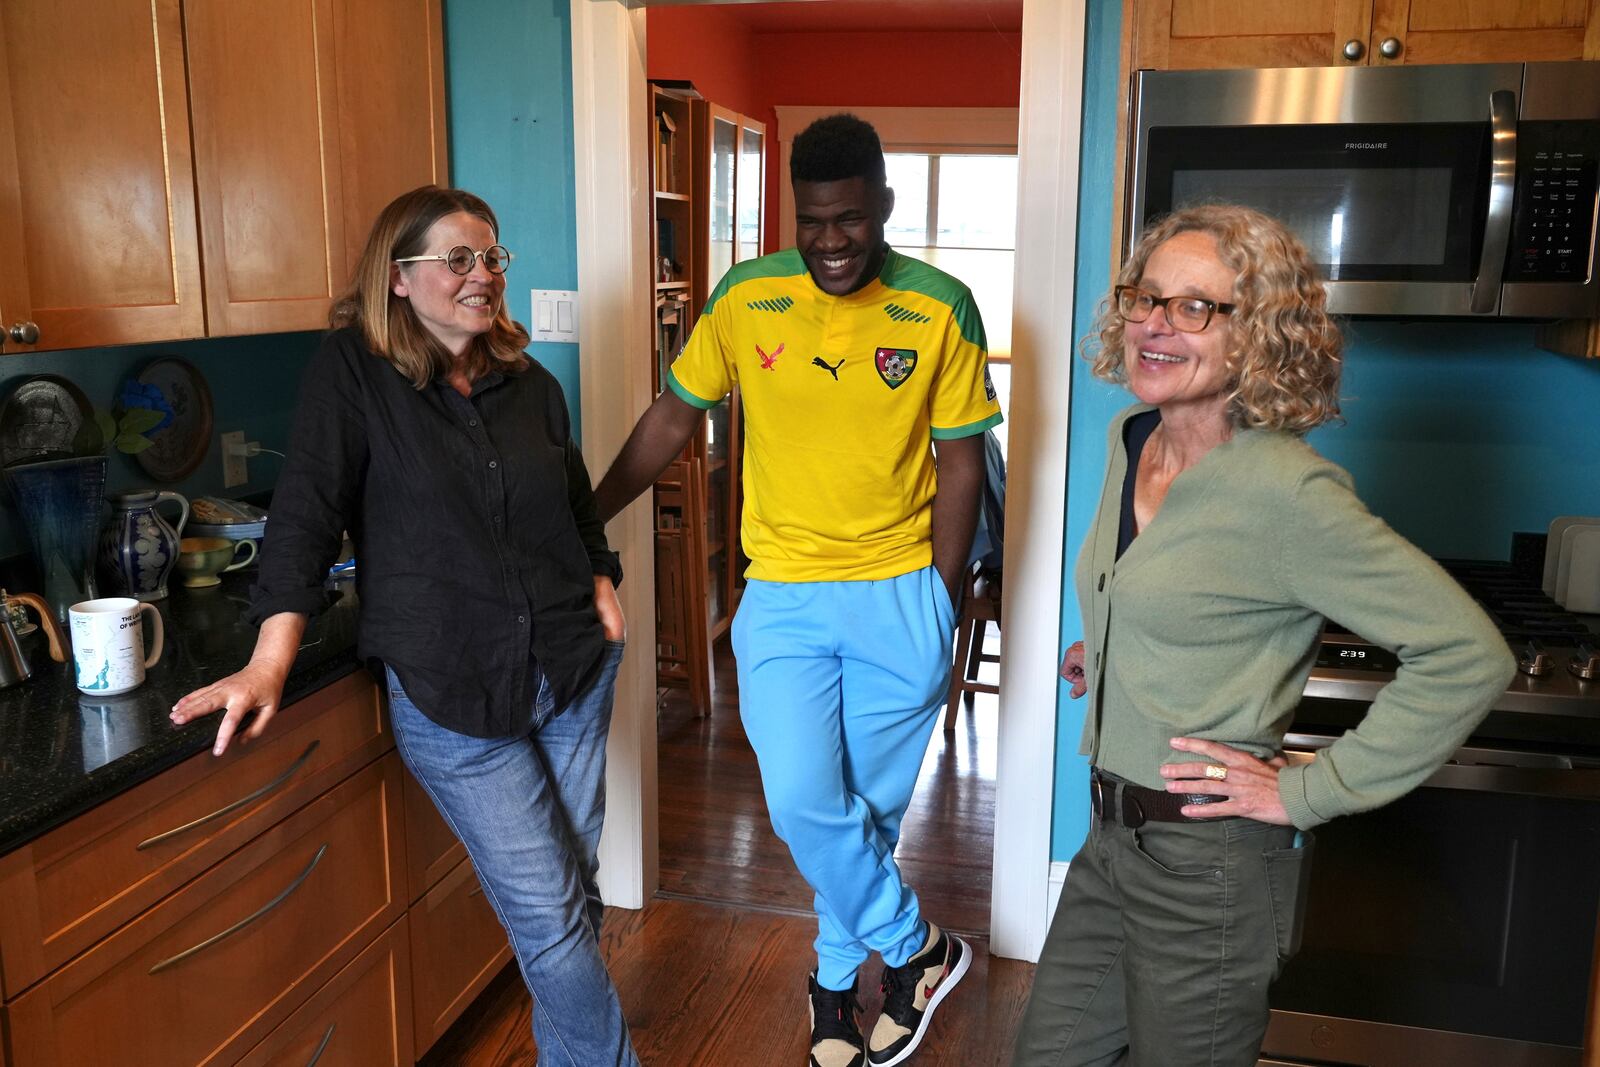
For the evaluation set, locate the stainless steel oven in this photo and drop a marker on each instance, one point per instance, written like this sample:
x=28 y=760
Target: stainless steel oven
x=1456 y=926
x=1463 y=190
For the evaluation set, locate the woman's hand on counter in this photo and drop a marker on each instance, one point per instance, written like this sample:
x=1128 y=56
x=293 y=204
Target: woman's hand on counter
x=257 y=687
x=1249 y=783
x=609 y=608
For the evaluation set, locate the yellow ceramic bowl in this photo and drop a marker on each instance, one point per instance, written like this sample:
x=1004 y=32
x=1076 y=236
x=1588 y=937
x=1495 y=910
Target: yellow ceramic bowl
x=202 y=559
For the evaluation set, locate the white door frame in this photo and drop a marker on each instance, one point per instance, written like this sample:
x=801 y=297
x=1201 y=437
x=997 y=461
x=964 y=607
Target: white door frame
x=610 y=129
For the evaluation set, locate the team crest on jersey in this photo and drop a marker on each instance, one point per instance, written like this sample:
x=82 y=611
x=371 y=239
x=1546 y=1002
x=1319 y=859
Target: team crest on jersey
x=895 y=365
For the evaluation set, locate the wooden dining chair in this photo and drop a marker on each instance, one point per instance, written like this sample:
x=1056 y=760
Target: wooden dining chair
x=979 y=607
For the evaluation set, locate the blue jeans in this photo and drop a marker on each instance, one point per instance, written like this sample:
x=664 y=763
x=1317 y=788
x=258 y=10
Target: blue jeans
x=529 y=811
x=840 y=684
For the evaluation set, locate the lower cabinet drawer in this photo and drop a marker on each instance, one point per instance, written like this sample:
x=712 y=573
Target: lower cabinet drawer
x=362 y=1018
x=431 y=846
x=203 y=976
x=457 y=946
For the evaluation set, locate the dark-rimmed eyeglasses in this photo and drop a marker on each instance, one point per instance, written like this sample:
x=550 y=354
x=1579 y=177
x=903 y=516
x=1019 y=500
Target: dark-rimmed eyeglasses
x=1189 y=314
x=496 y=258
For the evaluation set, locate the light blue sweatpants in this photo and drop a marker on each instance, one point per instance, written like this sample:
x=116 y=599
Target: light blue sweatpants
x=840 y=684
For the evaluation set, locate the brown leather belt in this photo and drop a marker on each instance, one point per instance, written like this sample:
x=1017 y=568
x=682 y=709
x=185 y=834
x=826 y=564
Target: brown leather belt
x=1133 y=805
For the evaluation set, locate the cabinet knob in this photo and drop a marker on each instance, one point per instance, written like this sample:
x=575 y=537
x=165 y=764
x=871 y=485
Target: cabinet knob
x=1353 y=49
x=24 y=333
x=1389 y=47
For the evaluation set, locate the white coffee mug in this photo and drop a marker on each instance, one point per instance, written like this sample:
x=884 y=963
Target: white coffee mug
x=108 y=644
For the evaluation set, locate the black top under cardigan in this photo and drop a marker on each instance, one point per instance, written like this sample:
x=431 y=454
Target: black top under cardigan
x=474 y=525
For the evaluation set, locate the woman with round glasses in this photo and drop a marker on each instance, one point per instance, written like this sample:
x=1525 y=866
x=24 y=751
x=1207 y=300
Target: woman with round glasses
x=486 y=585
x=1221 y=541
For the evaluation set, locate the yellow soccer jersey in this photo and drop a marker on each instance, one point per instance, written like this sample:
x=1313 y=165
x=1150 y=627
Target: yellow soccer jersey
x=843 y=396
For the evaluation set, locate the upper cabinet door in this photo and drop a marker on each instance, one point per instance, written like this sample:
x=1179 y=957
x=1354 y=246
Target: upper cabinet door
x=97 y=214
x=1484 y=31
x=1210 y=34
x=391 y=107
x=262 y=93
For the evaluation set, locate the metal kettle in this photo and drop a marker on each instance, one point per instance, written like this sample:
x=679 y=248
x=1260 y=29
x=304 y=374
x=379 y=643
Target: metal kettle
x=13 y=664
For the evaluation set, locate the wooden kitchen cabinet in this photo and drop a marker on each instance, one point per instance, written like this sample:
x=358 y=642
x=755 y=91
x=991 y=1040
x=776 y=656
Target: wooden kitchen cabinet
x=206 y=974
x=359 y=1019
x=97 y=213
x=432 y=849
x=1211 y=34
x=77 y=884
x=291 y=103
x=457 y=947
x=306 y=116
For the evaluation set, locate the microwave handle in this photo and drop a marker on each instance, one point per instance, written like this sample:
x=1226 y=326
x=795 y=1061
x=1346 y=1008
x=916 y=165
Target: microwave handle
x=1502 y=186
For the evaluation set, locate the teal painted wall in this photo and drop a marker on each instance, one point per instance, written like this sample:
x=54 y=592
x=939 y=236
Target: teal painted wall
x=511 y=142
x=1457 y=433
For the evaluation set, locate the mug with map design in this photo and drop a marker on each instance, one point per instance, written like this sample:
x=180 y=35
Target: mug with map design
x=108 y=644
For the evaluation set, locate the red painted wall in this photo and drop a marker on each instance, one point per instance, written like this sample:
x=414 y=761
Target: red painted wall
x=754 y=72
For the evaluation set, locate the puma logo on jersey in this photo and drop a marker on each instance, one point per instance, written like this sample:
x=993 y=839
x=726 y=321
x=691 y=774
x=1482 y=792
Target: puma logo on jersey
x=818 y=361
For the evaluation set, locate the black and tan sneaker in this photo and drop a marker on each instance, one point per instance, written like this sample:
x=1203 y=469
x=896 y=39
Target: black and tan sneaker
x=911 y=992
x=835 y=1029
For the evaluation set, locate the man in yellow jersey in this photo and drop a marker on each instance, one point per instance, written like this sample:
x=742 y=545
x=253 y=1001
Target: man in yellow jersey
x=866 y=394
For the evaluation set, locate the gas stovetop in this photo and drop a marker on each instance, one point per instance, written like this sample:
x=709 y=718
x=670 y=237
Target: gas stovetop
x=1545 y=637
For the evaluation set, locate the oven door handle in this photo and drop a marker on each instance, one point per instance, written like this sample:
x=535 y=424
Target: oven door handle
x=1502 y=187
x=1489 y=770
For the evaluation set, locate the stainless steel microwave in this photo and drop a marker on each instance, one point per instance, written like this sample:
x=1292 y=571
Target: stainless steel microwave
x=1463 y=190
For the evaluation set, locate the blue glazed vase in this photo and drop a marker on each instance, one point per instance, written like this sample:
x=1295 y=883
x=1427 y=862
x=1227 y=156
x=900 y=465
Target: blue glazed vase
x=61 y=502
x=137 y=548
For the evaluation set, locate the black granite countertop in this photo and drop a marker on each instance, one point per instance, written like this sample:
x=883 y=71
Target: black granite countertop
x=63 y=752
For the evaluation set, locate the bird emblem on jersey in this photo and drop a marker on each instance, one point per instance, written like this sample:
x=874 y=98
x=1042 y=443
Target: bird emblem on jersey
x=818 y=361
x=766 y=360
x=895 y=365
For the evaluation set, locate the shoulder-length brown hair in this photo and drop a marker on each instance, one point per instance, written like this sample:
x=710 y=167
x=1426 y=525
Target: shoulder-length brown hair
x=1284 y=353
x=388 y=323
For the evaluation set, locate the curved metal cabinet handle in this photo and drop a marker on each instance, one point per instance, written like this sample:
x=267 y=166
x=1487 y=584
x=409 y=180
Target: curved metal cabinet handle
x=172 y=961
x=323 y=1047
x=276 y=783
x=1502 y=185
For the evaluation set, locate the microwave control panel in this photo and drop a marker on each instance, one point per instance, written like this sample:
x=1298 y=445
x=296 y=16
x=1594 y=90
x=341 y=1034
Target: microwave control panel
x=1553 y=230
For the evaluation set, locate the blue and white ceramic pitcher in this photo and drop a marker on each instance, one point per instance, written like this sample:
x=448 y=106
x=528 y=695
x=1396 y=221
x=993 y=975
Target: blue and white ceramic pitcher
x=138 y=549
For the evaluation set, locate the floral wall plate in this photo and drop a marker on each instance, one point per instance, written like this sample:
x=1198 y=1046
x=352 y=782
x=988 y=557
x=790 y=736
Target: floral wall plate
x=178 y=446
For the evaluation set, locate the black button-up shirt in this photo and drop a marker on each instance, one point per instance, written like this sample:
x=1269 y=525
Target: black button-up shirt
x=474 y=526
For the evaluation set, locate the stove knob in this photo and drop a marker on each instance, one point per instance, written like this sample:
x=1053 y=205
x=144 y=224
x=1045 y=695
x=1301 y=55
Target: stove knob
x=1534 y=661
x=1586 y=664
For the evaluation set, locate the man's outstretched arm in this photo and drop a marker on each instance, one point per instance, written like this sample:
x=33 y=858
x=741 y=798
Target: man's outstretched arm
x=660 y=435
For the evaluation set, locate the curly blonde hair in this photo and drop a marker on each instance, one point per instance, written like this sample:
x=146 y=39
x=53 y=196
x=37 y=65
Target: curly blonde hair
x=1284 y=351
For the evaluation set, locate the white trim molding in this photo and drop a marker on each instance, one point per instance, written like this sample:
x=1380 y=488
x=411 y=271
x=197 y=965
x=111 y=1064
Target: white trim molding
x=948 y=130
x=1041 y=377
x=1058 y=880
x=611 y=130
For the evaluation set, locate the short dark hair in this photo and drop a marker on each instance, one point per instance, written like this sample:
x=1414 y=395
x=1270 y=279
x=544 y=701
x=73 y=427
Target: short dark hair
x=836 y=148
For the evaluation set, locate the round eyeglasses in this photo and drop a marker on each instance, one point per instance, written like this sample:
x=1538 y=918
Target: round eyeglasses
x=496 y=258
x=1188 y=314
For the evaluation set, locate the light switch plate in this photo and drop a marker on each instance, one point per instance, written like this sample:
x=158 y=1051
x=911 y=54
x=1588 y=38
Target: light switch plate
x=555 y=315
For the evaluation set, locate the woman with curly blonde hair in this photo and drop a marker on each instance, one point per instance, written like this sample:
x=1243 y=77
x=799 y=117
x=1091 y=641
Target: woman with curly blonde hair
x=1221 y=542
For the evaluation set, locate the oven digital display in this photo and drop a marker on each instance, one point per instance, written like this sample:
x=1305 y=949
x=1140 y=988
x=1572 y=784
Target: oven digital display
x=1354 y=654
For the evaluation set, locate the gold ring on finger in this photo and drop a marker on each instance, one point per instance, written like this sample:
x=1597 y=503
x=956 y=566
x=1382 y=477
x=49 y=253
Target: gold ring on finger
x=1216 y=773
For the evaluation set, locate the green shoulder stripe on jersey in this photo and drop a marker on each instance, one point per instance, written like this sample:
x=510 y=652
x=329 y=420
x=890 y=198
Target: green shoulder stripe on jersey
x=900 y=314
x=779 y=306
x=785 y=264
x=914 y=276
x=971 y=429
x=687 y=397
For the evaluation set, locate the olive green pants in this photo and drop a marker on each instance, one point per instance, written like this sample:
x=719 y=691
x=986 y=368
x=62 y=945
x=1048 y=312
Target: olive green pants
x=1164 y=944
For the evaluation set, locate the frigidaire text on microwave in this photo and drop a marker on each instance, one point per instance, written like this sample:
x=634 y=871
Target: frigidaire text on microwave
x=1433 y=190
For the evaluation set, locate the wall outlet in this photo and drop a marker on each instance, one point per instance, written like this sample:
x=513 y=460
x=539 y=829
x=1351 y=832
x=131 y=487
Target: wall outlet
x=233 y=465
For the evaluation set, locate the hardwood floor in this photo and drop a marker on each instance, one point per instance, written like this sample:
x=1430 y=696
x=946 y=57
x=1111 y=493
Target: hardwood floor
x=712 y=972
